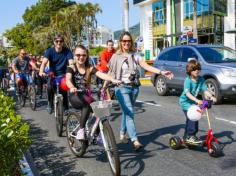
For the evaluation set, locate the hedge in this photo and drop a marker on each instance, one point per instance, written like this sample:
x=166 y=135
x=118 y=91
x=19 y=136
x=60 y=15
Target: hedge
x=14 y=137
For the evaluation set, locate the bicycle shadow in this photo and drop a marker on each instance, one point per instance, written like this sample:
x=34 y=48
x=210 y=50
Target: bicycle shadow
x=133 y=163
x=49 y=159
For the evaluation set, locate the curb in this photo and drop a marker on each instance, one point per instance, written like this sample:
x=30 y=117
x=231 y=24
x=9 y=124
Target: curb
x=146 y=81
x=27 y=166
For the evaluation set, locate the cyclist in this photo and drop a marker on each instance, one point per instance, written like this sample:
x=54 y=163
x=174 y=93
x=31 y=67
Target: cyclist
x=58 y=57
x=105 y=58
x=3 y=67
x=20 y=66
x=78 y=78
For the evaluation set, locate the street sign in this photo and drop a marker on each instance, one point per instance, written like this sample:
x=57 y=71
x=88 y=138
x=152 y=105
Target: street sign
x=187 y=29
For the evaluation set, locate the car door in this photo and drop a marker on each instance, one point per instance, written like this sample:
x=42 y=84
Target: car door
x=171 y=64
x=185 y=55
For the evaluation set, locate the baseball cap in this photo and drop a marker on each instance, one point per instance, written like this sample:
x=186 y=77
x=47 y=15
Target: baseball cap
x=58 y=36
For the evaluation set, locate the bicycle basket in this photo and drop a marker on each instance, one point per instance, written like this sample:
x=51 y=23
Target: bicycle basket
x=101 y=108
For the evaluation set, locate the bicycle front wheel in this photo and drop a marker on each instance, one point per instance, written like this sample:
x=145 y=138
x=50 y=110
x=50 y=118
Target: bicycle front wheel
x=59 y=117
x=78 y=148
x=111 y=148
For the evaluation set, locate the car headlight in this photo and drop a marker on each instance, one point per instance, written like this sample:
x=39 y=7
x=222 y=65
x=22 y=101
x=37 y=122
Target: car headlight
x=229 y=72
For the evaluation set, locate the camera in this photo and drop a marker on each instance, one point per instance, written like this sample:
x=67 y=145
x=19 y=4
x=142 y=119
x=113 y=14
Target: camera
x=134 y=78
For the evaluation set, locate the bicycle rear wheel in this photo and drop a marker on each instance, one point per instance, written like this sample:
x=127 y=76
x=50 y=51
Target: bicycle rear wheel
x=32 y=97
x=110 y=146
x=59 y=117
x=78 y=148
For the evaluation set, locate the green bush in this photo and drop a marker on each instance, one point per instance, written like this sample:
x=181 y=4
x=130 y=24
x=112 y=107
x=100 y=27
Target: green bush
x=14 y=138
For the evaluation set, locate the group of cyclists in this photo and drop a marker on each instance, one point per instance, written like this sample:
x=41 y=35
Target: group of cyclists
x=59 y=62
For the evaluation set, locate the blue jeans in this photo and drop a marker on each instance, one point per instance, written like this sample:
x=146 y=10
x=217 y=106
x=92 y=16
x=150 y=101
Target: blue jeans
x=126 y=96
x=191 y=127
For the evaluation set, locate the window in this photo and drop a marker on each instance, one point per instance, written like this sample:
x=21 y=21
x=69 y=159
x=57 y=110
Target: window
x=159 y=12
x=188 y=53
x=173 y=54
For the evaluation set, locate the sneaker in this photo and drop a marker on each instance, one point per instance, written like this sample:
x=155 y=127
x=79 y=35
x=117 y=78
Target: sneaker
x=124 y=139
x=66 y=112
x=80 y=134
x=193 y=140
x=49 y=109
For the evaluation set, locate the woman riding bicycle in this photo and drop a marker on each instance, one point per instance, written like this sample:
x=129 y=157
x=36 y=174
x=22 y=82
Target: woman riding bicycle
x=78 y=79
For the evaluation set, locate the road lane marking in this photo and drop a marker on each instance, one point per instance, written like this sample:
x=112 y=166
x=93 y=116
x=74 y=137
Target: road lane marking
x=230 y=121
x=152 y=104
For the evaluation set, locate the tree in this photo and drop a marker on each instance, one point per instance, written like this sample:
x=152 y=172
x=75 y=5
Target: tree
x=75 y=22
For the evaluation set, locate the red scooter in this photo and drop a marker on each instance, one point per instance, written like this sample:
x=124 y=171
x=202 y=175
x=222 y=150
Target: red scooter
x=214 y=147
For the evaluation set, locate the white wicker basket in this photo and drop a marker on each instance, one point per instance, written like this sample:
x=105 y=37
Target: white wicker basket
x=102 y=108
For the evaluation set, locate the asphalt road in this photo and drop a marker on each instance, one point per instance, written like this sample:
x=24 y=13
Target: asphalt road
x=157 y=119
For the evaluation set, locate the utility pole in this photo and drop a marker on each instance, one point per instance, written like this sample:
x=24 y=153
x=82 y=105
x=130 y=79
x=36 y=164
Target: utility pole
x=126 y=15
x=195 y=19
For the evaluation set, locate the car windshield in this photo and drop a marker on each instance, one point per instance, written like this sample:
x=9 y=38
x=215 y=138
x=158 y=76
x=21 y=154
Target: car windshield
x=218 y=55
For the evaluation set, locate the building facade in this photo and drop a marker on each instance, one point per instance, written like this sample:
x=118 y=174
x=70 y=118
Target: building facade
x=104 y=34
x=165 y=23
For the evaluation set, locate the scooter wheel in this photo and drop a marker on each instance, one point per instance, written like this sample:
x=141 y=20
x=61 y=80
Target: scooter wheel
x=175 y=142
x=216 y=149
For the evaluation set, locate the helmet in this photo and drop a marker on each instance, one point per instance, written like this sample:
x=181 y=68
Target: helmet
x=194 y=113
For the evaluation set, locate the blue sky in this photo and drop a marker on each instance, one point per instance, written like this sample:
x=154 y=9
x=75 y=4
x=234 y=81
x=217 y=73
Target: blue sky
x=11 y=12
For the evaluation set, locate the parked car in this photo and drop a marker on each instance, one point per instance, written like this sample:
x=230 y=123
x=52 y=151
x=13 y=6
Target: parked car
x=218 y=68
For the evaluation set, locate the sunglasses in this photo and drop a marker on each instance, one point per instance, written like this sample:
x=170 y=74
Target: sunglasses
x=81 y=55
x=59 y=41
x=194 y=69
x=23 y=53
x=126 y=41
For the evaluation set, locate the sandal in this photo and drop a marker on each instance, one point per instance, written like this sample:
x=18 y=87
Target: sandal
x=137 y=145
x=124 y=139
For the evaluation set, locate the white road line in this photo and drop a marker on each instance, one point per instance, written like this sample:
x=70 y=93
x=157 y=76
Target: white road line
x=230 y=121
x=152 y=104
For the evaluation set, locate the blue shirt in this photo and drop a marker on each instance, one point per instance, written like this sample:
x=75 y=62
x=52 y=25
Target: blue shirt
x=192 y=87
x=58 y=60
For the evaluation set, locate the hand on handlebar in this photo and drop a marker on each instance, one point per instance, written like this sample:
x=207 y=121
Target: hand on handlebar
x=73 y=89
x=115 y=81
x=42 y=74
x=199 y=102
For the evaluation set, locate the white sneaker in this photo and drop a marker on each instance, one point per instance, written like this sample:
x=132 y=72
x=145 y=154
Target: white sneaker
x=80 y=134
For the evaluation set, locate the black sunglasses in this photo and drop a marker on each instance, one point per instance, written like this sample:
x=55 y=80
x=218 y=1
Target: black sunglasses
x=81 y=55
x=59 y=41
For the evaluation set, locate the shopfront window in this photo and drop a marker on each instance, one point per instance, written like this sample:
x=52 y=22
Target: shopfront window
x=159 y=12
x=202 y=8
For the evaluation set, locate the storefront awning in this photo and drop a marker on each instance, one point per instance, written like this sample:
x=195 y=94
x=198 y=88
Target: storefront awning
x=232 y=31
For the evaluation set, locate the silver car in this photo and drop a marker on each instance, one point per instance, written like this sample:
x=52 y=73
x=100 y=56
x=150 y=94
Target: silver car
x=218 y=68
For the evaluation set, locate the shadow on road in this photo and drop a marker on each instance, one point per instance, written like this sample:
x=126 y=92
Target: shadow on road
x=50 y=159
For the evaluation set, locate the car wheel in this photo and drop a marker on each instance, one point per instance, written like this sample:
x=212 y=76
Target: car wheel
x=213 y=87
x=161 y=86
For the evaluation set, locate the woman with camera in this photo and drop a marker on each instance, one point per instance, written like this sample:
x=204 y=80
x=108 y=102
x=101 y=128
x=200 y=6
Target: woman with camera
x=124 y=66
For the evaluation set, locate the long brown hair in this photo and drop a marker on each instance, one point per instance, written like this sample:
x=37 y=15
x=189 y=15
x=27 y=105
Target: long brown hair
x=120 y=49
x=87 y=64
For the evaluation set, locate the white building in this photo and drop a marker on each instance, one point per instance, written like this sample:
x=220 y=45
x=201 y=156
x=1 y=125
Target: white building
x=104 y=34
x=162 y=22
x=4 y=42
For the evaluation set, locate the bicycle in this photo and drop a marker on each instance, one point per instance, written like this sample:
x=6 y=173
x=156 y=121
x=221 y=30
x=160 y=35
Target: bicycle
x=101 y=113
x=26 y=90
x=58 y=103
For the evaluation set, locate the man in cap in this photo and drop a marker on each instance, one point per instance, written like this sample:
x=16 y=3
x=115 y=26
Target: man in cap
x=58 y=57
